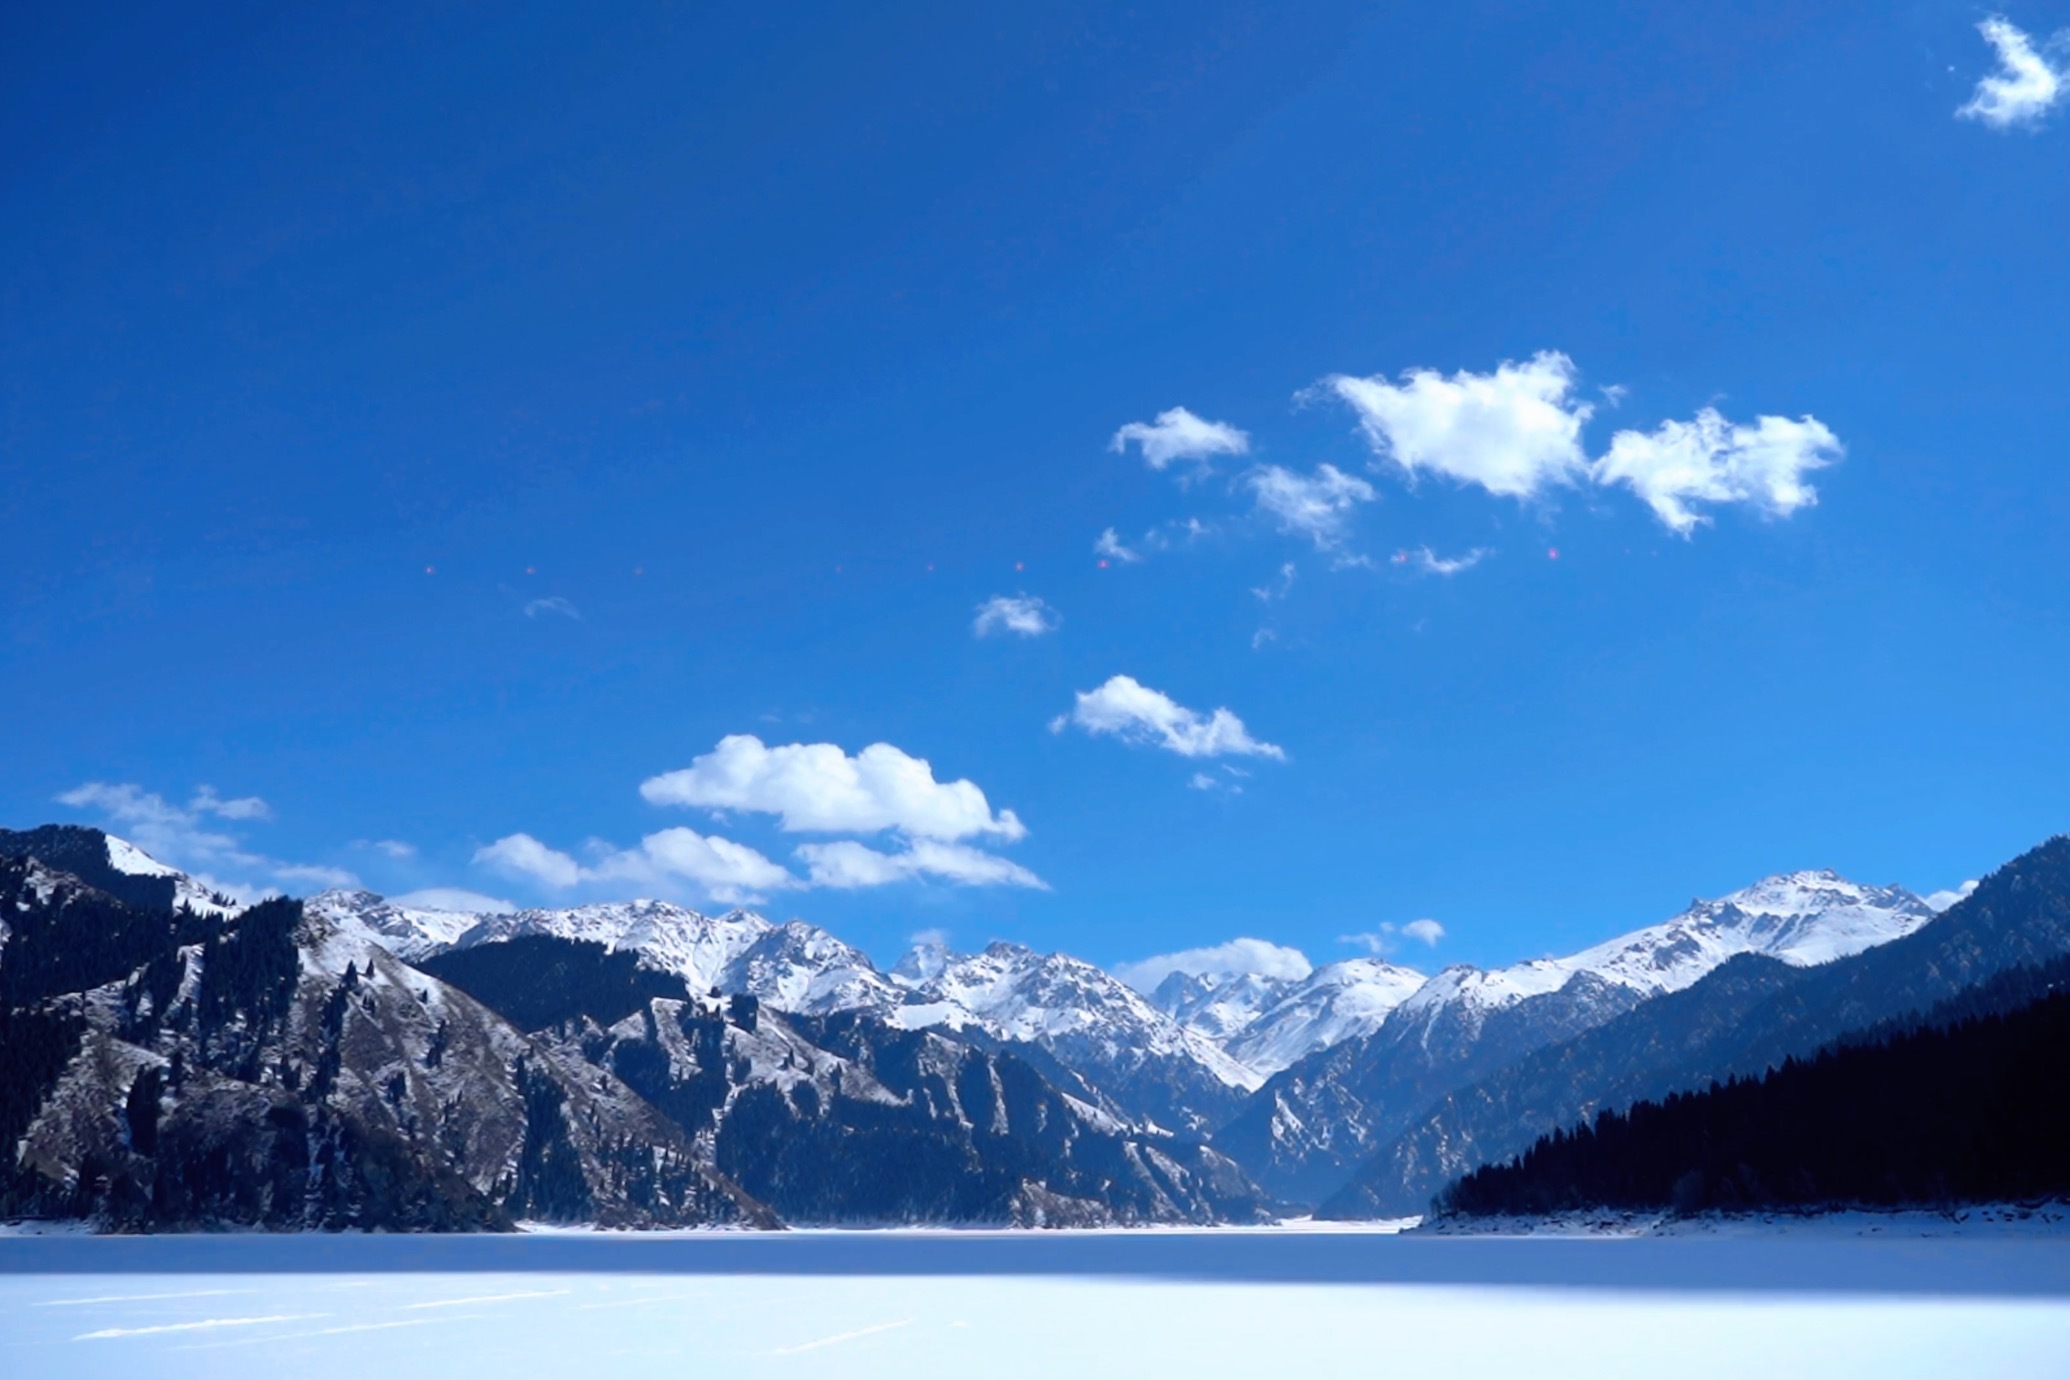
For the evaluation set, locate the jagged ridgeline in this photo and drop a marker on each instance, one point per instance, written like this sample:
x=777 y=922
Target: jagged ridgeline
x=1746 y=1017
x=1969 y=1104
x=166 y=1068
x=845 y=1118
x=173 y=1060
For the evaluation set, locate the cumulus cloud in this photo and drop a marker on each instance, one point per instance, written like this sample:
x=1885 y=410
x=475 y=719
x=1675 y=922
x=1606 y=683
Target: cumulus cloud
x=1711 y=460
x=521 y=855
x=1179 y=435
x=819 y=787
x=1016 y=613
x=720 y=868
x=846 y=864
x=552 y=604
x=1110 y=545
x=1428 y=562
x=1314 y=506
x=185 y=837
x=1513 y=432
x=1387 y=937
x=1125 y=708
x=453 y=898
x=1232 y=959
x=2027 y=84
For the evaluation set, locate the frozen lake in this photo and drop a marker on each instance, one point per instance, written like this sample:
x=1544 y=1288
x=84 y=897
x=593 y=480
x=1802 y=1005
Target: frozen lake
x=913 y=1304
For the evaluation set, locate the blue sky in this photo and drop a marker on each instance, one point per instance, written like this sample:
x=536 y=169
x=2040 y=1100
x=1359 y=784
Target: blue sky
x=496 y=439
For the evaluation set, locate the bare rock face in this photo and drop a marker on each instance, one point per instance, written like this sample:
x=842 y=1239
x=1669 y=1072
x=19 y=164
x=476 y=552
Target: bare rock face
x=259 y=1066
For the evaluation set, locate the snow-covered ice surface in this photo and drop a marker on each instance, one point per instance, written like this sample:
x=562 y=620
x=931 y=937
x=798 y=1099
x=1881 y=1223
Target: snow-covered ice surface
x=920 y=1304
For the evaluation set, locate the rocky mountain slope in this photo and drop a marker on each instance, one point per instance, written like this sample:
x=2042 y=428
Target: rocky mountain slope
x=278 y=1066
x=1741 y=1018
x=844 y=1119
x=1305 y=1131
x=172 y=1068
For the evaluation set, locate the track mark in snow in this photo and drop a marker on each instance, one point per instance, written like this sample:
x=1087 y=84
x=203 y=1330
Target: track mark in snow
x=326 y=1332
x=138 y=1298
x=194 y=1326
x=842 y=1337
x=492 y=1298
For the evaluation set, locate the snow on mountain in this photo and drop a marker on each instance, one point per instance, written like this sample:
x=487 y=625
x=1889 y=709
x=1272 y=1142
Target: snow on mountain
x=1337 y=1002
x=1218 y=1005
x=1322 y=1113
x=668 y=936
x=408 y=932
x=1801 y=918
x=1088 y=1020
x=127 y=858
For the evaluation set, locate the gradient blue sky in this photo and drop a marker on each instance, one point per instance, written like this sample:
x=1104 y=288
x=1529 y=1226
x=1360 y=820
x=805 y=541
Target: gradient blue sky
x=754 y=348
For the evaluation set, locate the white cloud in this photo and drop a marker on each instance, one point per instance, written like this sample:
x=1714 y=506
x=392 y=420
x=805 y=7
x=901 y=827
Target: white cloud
x=818 y=787
x=179 y=836
x=1314 y=506
x=1110 y=546
x=1387 y=938
x=552 y=604
x=453 y=898
x=1127 y=709
x=721 y=868
x=315 y=874
x=2026 y=85
x=1179 y=435
x=521 y=855
x=1941 y=900
x=1016 y=613
x=1710 y=460
x=724 y=869
x=1513 y=432
x=1428 y=562
x=1223 y=960
x=847 y=864
x=1269 y=592
x=394 y=848
x=207 y=802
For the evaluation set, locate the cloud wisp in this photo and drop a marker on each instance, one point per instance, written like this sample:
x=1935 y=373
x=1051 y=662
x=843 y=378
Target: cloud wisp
x=1316 y=506
x=1127 y=709
x=1425 y=561
x=1021 y=614
x=187 y=837
x=718 y=867
x=1177 y=435
x=1109 y=546
x=1387 y=937
x=1711 y=460
x=551 y=604
x=2026 y=86
x=1233 y=959
x=846 y=864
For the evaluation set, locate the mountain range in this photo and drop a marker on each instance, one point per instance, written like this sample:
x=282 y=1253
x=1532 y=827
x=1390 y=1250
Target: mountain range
x=507 y=1065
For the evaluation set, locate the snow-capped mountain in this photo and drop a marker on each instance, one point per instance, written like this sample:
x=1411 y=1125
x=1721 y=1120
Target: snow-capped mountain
x=1802 y=918
x=1220 y=1006
x=1337 y=1002
x=1304 y=1131
x=408 y=932
x=1093 y=1024
x=1088 y=1020
x=1265 y=1023
x=115 y=866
